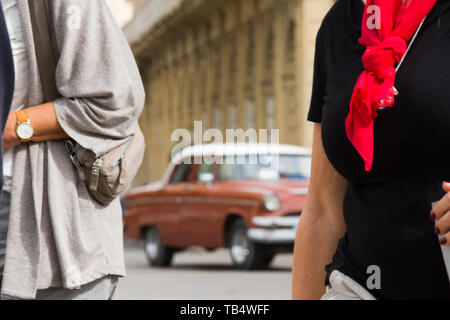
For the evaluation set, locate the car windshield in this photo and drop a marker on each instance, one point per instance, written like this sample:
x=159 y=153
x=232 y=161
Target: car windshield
x=266 y=167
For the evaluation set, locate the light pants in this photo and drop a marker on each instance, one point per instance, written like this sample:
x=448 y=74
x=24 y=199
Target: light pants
x=343 y=287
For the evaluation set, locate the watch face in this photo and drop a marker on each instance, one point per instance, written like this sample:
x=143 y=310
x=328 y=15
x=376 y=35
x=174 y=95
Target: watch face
x=25 y=131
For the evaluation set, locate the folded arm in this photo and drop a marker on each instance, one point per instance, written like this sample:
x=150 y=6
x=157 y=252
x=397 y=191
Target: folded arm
x=45 y=123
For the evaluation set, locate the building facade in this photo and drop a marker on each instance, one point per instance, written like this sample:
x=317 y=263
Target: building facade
x=228 y=63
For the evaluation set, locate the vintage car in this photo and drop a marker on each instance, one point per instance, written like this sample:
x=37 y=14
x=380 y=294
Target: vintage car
x=245 y=197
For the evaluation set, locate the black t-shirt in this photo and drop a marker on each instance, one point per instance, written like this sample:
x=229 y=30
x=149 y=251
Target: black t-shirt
x=387 y=210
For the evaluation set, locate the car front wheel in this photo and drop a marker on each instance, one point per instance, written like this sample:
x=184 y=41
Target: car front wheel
x=246 y=254
x=157 y=254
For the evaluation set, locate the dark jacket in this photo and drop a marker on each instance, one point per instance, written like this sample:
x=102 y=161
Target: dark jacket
x=6 y=81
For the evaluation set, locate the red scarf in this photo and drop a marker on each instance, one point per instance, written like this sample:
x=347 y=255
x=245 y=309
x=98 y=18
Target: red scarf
x=385 y=47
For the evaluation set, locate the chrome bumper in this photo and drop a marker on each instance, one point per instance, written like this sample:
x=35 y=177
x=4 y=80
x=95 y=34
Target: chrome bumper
x=274 y=230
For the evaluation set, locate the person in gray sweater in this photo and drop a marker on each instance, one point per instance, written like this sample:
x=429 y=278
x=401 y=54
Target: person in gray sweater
x=60 y=243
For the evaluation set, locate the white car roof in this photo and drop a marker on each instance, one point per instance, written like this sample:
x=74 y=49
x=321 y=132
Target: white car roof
x=221 y=149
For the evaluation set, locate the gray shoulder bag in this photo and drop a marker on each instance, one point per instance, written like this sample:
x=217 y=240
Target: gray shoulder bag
x=107 y=176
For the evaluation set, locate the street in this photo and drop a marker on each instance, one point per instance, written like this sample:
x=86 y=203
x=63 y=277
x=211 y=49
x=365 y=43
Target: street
x=199 y=275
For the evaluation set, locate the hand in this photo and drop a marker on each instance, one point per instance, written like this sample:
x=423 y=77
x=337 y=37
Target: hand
x=441 y=214
x=10 y=138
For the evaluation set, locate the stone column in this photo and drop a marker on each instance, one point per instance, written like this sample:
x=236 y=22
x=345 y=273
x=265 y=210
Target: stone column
x=241 y=39
x=310 y=13
x=279 y=60
x=259 y=72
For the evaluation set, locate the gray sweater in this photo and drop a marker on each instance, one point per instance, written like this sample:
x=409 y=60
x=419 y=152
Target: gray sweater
x=58 y=236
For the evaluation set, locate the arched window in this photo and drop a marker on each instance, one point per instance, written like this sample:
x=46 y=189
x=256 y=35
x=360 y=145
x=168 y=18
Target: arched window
x=250 y=56
x=270 y=49
x=291 y=42
x=233 y=56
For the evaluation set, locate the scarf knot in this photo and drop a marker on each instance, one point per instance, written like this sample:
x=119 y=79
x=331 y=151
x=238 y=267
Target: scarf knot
x=385 y=47
x=378 y=61
x=384 y=55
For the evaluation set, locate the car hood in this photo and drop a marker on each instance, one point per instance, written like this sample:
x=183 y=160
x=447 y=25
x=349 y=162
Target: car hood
x=282 y=186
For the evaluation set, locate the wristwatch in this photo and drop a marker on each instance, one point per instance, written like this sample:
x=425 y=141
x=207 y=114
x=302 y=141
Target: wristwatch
x=25 y=129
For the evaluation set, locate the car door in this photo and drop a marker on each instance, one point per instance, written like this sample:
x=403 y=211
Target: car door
x=199 y=211
x=171 y=202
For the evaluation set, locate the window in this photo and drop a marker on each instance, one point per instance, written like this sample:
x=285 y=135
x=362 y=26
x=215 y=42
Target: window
x=181 y=173
x=233 y=113
x=267 y=167
x=217 y=117
x=270 y=113
x=250 y=114
x=205 y=172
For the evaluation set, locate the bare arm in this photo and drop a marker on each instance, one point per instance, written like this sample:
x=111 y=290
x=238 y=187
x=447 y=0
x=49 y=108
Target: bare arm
x=44 y=120
x=321 y=225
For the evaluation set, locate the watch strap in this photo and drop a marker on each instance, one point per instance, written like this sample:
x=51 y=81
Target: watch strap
x=22 y=116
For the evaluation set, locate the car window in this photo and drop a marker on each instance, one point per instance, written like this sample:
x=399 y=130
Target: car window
x=181 y=173
x=267 y=167
x=204 y=170
x=235 y=171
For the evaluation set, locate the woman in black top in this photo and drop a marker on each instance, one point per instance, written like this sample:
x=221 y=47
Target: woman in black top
x=374 y=227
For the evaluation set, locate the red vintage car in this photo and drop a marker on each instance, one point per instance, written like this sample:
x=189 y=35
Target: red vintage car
x=244 y=197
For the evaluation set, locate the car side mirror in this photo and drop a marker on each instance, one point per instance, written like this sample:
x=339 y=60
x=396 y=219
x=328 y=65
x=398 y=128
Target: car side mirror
x=206 y=177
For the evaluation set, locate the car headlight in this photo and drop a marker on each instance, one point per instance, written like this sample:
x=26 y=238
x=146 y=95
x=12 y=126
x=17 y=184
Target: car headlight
x=271 y=202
